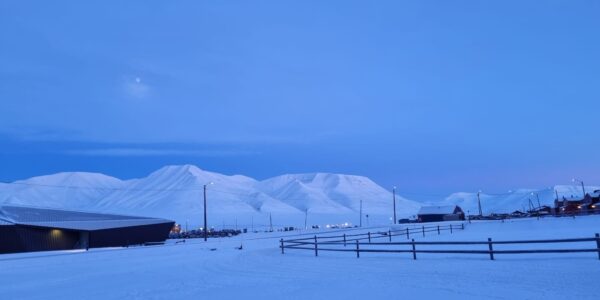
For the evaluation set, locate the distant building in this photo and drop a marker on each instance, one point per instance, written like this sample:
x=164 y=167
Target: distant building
x=589 y=204
x=440 y=213
x=24 y=229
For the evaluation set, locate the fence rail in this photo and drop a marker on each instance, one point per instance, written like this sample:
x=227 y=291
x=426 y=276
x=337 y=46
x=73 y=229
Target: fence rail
x=329 y=243
x=369 y=236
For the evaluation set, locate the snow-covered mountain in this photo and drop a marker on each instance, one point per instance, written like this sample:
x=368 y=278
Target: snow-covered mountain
x=329 y=193
x=75 y=190
x=176 y=192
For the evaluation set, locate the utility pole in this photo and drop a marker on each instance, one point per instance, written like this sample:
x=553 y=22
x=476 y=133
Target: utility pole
x=205 y=223
x=582 y=186
x=306 y=219
x=360 y=213
x=394 y=198
x=479 y=203
x=530 y=205
x=538 y=198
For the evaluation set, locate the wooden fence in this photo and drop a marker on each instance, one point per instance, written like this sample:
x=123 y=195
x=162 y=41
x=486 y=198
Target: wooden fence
x=341 y=243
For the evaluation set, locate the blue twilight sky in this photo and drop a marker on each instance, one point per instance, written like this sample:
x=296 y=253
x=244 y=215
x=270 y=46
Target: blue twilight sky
x=431 y=96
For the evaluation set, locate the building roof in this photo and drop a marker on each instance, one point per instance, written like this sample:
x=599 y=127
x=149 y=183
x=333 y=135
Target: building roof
x=437 y=210
x=74 y=220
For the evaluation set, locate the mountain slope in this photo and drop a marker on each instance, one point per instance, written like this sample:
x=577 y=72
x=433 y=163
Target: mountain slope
x=73 y=190
x=177 y=192
x=326 y=193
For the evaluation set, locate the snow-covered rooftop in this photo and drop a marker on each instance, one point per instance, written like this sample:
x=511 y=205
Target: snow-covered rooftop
x=69 y=219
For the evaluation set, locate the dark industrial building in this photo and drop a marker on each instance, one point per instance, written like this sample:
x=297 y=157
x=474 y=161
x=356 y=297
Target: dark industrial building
x=24 y=229
x=440 y=213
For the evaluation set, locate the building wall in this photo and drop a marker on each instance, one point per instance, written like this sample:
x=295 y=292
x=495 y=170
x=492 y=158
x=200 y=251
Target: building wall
x=440 y=218
x=18 y=238
x=9 y=239
x=431 y=218
x=126 y=236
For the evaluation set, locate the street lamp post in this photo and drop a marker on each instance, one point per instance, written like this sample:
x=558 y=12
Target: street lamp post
x=205 y=223
x=394 y=199
x=582 y=186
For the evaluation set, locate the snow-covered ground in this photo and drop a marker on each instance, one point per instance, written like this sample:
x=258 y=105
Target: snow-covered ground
x=259 y=271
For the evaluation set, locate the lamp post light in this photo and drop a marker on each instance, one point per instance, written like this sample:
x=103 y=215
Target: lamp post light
x=394 y=199
x=582 y=185
x=205 y=224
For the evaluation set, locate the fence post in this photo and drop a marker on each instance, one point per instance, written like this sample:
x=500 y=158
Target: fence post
x=344 y=240
x=423 y=231
x=414 y=251
x=438 y=229
x=369 y=233
x=491 y=248
x=316 y=249
x=462 y=226
x=281 y=241
x=390 y=235
x=450 y=228
x=598 y=244
x=407 y=234
x=357 y=250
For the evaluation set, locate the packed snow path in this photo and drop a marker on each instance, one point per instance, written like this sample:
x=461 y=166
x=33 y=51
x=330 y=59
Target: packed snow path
x=259 y=271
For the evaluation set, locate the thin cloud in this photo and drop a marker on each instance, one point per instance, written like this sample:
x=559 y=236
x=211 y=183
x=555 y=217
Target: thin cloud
x=136 y=88
x=156 y=152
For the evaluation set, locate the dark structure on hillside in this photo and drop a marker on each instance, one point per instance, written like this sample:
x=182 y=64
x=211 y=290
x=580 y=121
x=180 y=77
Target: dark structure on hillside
x=24 y=229
x=440 y=213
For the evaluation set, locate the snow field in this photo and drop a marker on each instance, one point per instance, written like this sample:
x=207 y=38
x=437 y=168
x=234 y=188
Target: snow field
x=259 y=271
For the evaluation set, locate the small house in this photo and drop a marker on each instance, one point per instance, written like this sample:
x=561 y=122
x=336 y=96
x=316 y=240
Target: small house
x=440 y=213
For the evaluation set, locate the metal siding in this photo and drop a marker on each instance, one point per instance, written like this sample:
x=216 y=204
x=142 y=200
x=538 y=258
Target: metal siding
x=125 y=236
x=9 y=240
x=44 y=239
